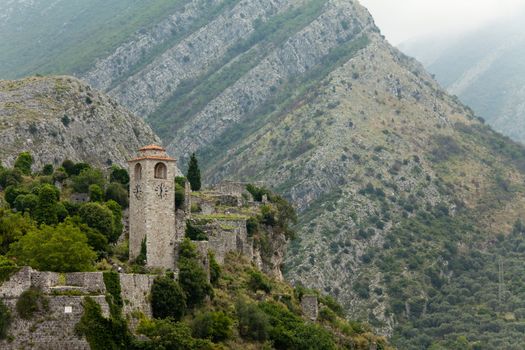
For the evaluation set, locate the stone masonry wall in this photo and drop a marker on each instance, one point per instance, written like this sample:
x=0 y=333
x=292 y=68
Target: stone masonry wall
x=54 y=328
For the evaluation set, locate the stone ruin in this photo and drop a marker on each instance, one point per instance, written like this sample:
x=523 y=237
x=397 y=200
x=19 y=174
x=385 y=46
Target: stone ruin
x=65 y=293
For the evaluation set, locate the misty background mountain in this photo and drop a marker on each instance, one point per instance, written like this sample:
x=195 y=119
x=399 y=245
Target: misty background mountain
x=485 y=68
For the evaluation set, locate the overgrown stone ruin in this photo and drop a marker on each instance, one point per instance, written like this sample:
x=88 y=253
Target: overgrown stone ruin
x=54 y=327
x=221 y=213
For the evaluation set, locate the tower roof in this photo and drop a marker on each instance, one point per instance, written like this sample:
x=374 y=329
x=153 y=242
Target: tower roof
x=153 y=152
x=152 y=148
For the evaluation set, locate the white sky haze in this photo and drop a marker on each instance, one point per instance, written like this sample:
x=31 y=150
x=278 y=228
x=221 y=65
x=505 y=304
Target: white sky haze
x=401 y=20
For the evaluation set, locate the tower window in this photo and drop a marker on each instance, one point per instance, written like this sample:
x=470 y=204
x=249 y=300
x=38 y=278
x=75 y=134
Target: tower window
x=138 y=172
x=161 y=172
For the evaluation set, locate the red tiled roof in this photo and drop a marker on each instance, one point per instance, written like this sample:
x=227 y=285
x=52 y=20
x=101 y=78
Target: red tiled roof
x=152 y=148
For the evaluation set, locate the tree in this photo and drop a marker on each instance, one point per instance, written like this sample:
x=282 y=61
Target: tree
x=95 y=193
x=117 y=192
x=194 y=173
x=26 y=203
x=46 y=211
x=119 y=175
x=98 y=217
x=87 y=177
x=167 y=299
x=47 y=169
x=68 y=166
x=5 y=320
x=116 y=209
x=24 y=162
x=63 y=248
x=13 y=226
x=216 y=326
x=192 y=276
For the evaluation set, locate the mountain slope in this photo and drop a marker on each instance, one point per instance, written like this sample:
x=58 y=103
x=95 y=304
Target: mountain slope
x=407 y=201
x=485 y=69
x=57 y=118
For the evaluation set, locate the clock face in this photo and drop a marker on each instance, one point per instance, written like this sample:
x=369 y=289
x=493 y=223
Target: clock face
x=161 y=190
x=137 y=191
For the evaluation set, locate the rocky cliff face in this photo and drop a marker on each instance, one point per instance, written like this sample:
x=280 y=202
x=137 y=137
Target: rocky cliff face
x=59 y=118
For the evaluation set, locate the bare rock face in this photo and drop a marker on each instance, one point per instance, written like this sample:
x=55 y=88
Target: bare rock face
x=57 y=118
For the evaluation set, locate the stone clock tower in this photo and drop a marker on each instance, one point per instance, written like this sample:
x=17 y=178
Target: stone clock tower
x=152 y=206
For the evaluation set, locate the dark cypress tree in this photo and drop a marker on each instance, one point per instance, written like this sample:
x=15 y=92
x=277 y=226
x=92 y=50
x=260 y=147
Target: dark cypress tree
x=194 y=173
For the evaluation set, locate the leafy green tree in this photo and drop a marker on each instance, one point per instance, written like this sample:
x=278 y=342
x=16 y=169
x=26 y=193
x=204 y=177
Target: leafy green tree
x=24 y=163
x=87 y=177
x=26 y=203
x=192 y=276
x=99 y=217
x=63 y=248
x=118 y=226
x=47 y=169
x=119 y=175
x=117 y=192
x=12 y=227
x=11 y=192
x=167 y=298
x=47 y=209
x=95 y=193
x=194 y=173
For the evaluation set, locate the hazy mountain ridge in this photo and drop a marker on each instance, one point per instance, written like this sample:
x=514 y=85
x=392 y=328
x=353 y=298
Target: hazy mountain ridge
x=58 y=118
x=484 y=68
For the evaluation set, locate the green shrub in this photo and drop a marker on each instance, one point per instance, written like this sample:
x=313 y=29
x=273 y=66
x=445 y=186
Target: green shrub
x=192 y=277
x=195 y=233
x=216 y=326
x=289 y=331
x=10 y=177
x=48 y=169
x=102 y=333
x=7 y=268
x=253 y=323
x=165 y=334
x=258 y=281
x=167 y=298
x=30 y=302
x=180 y=192
x=24 y=162
x=112 y=283
x=215 y=269
x=5 y=320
